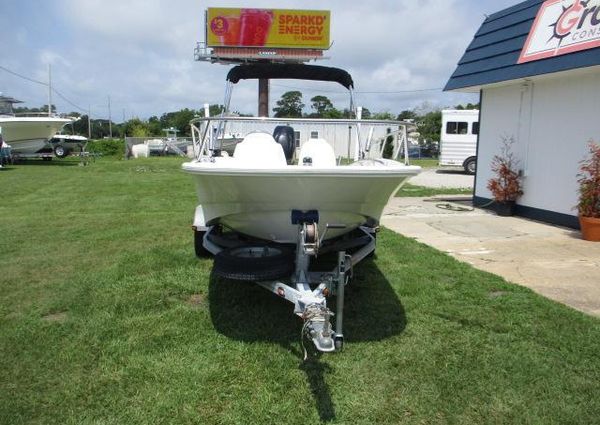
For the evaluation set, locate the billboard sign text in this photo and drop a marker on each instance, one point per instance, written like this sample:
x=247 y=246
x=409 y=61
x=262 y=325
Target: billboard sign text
x=274 y=28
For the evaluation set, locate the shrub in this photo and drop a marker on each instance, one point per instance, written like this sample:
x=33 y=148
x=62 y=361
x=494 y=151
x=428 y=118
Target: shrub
x=506 y=186
x=107 y=147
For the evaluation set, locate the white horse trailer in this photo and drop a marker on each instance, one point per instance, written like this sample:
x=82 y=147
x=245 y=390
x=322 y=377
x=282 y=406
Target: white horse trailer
x=458 y=142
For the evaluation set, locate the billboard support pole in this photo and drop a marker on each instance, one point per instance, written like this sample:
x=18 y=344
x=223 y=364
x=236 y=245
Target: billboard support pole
x=263 y=97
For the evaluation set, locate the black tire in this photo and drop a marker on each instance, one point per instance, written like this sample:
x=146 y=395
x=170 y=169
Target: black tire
x=284 y=135
x=254 y=263
x=60 y=151
x=201 y=252
x=471 y=166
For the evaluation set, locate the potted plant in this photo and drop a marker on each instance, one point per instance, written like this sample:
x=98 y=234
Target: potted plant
x=589 y=194
x=506 y=186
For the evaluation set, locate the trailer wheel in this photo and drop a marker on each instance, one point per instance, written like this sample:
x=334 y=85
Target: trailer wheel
x=201 y=252
x=60 y=151
x=470 y=166
x=254 y=263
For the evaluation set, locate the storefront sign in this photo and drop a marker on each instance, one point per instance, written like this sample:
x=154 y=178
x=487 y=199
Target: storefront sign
x=273 y=28
x=561 y=27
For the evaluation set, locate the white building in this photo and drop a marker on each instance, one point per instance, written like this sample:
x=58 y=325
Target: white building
x=537 y=68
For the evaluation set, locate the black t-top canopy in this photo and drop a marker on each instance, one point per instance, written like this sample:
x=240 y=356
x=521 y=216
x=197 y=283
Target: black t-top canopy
x=290 y=71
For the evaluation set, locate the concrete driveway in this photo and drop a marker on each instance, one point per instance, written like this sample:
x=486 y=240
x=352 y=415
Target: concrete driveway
x=450 y=178
x=553 y=261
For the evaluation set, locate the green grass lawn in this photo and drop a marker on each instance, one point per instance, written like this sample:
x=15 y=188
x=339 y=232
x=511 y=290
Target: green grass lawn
x=425 y=163
x=410 y=190
x=106 y=317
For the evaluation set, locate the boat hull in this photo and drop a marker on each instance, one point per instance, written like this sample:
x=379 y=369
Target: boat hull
x=28 y=135
x=259 y=203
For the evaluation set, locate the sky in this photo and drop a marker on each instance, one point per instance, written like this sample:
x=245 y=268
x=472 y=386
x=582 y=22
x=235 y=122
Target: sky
x=140 y=53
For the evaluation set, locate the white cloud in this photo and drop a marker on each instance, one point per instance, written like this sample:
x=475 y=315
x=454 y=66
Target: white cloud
x=141 y=52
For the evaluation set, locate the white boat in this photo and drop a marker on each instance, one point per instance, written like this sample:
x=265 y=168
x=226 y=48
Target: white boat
x=257 y=199
x=168 y=144
x=27 y=134
x=272 y=194
x=255 y=190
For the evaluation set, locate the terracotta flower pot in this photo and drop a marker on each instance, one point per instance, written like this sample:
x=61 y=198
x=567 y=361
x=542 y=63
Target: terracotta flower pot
x=590 y=228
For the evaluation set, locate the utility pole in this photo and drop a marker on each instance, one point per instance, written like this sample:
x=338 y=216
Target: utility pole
x=49 y=90
x=89 y=122
x=263 y=97
x=109 y=119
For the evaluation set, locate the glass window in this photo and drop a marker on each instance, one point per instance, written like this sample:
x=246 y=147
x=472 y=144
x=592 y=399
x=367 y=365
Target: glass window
x=475 y=128
x=297 y=138
x=314 y=134
x=453 y=127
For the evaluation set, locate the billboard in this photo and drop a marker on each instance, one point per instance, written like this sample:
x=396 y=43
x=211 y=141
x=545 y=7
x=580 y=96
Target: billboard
x=272 y=28
x=561 y=27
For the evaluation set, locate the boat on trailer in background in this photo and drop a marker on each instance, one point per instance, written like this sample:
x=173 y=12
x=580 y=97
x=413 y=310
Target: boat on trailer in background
x=270 y=208
x=28 y=134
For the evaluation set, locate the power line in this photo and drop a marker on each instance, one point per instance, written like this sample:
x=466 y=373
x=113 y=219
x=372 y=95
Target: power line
x=62 y=96
x=400 y=91
x=68 y=101
x=361 y=92
x=23 y=77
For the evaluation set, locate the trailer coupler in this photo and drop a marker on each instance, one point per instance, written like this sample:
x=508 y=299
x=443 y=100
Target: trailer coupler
x=317 y=327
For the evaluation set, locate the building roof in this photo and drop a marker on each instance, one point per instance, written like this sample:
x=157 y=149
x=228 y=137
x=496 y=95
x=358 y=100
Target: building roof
x=493 y=54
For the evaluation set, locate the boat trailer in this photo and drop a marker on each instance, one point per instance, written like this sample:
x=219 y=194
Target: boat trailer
x=309 y=304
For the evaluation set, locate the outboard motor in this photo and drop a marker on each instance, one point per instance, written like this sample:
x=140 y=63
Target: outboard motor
x=284 y=135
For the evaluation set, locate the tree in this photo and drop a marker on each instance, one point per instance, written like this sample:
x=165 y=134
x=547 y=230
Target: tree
x=136 y=128
x=154 y=126
x=290 y=105
x=215 y=110
x=26 y=110
x=179 y=120
x=430 y=126
x=407 y=115
x=324 y=108
x=333 y=114
x=383 y=116
x=321 y=104
x=468 y=106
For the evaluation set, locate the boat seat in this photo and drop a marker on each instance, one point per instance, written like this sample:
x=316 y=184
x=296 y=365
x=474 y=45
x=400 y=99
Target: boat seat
x=317 y=153
x=259 y=150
